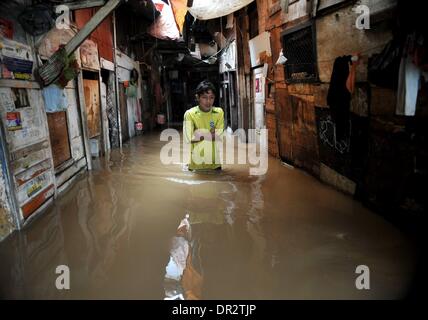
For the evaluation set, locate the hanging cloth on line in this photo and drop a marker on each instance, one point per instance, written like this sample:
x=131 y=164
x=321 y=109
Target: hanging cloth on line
x=339 y=96
x=409 y=80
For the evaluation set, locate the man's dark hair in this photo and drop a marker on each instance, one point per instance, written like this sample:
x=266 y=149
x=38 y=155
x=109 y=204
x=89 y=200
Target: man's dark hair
x=204 y=87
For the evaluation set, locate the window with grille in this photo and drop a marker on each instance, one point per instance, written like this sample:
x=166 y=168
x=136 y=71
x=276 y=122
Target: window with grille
x=300 y=49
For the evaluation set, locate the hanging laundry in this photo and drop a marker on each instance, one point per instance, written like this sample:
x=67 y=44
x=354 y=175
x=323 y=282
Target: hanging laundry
x=339 y=97
x=412 y=67
x=408 y=87
x=179 y=8
x=164 y=27
x=350 y=83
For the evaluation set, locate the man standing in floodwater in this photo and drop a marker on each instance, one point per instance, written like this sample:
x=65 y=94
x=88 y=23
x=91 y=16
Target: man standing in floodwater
x=203 y=126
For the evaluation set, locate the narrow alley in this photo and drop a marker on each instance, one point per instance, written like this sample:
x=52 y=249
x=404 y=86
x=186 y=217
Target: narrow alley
x=280 y=236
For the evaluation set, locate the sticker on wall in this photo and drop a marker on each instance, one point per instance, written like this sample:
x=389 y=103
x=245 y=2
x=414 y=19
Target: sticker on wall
x=258 y=87
x=14 y=121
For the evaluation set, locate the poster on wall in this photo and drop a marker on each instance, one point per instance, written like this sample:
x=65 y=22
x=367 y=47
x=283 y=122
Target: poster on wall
x=16 y=60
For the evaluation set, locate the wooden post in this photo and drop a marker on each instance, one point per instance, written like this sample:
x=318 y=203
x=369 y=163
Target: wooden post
x=84 y=4
x=116 y=76
x=84 y=118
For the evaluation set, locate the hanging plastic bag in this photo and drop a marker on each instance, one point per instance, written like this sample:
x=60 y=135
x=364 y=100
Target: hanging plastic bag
x=282 y=59
x=164 y=27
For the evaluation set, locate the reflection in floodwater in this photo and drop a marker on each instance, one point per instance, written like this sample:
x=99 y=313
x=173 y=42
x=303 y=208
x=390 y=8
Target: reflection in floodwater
x=283 y=235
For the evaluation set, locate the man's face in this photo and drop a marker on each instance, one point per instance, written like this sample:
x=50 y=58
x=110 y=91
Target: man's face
x=206 y=100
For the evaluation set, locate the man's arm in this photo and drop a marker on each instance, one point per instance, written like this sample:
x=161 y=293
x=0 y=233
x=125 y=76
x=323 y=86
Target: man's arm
x=190 y=135
x=217 y=133
x=188 y=128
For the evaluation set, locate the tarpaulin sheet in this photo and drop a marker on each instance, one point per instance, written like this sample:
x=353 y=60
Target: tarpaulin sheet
x=205 y=10
x=180 y=10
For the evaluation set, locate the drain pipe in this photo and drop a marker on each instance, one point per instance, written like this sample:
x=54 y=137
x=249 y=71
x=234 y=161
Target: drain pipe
x=116 y=76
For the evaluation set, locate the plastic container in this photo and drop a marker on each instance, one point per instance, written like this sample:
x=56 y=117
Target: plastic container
x=161 y=119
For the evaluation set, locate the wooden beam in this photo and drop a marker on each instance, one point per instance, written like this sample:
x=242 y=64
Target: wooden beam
x=84 y=4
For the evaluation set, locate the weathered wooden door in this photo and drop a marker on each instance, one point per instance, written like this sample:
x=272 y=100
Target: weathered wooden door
x=298 y=142
x=285 y=125
x=93 y=111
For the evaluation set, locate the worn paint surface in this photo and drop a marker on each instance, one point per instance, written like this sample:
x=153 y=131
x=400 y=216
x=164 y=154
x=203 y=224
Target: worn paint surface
x=278 y=236
x=6 y=223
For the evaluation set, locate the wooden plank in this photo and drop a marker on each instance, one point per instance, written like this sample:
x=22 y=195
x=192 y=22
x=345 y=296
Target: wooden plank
x=67 y=184
x=82 y=104
x=6 y=172
x=22 y=155
x=67 y=174
x=73 y=117
x=31 y=189
x=37 y=202
x=32 y=172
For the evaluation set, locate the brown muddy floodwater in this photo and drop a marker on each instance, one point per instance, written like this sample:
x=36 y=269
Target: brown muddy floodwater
x=283 y=235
